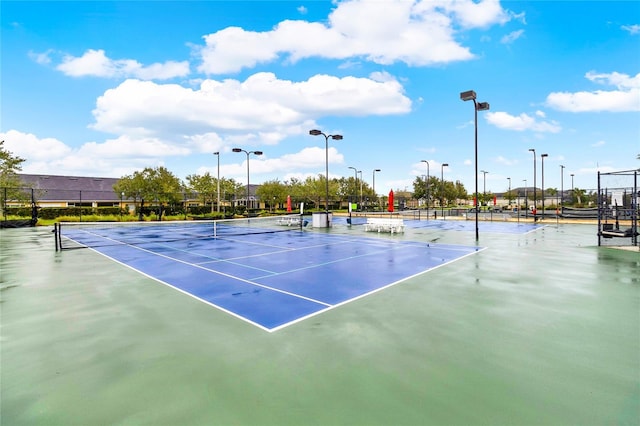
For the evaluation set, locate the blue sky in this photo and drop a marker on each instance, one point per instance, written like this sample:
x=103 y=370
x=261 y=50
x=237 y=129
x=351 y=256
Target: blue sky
x=107 y=88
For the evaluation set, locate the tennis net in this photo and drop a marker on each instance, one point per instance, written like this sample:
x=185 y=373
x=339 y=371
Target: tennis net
x=70 y=235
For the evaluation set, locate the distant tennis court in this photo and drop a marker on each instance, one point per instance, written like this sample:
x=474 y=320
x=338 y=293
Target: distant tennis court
x=257 y=273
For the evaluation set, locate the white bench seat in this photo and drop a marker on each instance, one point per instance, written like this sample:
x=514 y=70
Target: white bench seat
x=382 y=224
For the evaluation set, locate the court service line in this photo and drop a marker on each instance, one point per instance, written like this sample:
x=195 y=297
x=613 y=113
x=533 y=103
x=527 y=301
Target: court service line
x=216 y=272
x=337 y=305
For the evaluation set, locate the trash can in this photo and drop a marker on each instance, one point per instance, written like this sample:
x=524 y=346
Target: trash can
x=321 y=219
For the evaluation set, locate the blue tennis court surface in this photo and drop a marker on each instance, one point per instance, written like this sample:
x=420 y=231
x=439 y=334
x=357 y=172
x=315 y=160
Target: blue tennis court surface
x=470 y=225
x=274 y=280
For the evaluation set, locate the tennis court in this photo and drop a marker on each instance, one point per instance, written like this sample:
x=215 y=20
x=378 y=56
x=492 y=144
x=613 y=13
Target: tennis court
x=260 y=274
x=538 y=328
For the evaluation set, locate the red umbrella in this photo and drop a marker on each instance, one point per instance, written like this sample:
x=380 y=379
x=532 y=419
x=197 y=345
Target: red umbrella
x=390 y=208
x=288 y=203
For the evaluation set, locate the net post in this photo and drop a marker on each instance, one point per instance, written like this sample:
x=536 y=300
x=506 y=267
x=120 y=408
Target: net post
x=55 y=235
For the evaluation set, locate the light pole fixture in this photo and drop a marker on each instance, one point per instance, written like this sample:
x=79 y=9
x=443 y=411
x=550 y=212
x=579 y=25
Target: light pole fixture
x=526 y=201
x=355 y=174
x=509 y=179
x=361 y=205
x=427 y=186
x=470 y=95
x=542 y=157
x=217 y=154
x=561 y=187
x=535 y=204
x=247 y=152
x=484 y=185
x=442 y=195
x=316 y=132
x=572 y=197
x=375 y=196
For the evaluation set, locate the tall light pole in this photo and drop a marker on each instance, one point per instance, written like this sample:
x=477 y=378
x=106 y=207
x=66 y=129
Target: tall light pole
x=470 y=95
x=484 y=185
x=509 y=179
x=542 y=157
x=442 y=194
x=247 y=152
x=375 y=196
x=316 y=132
x=535 y=204
x=360 y=171
x=526 y=201
x=427 y=186
x=217 y=153
x=572 y=198
x=355 y=174
x=561 y=187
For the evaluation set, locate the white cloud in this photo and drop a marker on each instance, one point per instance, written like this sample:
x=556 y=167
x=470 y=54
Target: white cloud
x=416 y=33
x=261 y=107
x=625 y=99
x=632 y=29
x=32 y=148
x=112 y=158
x=521 y=122
x=43 y=58
x=96 y=64
x=511 y=37
x=598 y=144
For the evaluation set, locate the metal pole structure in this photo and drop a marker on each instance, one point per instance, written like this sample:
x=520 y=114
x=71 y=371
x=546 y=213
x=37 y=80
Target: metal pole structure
x=572 y=197
x=442 y=182
x=542 y=156
x=470 y=95
x=561 y=188
x=316 y=132
x=484 y=185
x=360 y=171
x=375 y=196
x=427 y=186
x=247 y=152
x=355 y=175
x=509 y=179
x=217 y=153
x=535 y=204
x=526 y=201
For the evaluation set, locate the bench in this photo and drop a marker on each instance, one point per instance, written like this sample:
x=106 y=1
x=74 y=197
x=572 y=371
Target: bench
x=289 y=221
x=381 y=224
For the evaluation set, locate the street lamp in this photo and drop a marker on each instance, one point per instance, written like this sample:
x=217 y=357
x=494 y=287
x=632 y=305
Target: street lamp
x=535 y=204
x=542 y=156
x=442 y=195
x=561 y=188
x=484 y=185
x=509 y=179
x=470 y=95
x=247 y=152
x=572 y=198
x=526 y=201
x=427 y=186
x=316 y=132
x=361 y=205
x=355 y=174
x=217 y=154
x=375 y=196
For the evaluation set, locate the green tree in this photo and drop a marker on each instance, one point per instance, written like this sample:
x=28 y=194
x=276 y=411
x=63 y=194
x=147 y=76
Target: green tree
x=10 y=165
x=157 y=185
x=206 y=186
x=272 y=192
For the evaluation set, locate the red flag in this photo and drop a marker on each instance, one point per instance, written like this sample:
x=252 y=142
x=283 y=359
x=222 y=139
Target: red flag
x=390 y=208
x=474 y=201
x=495 y=200
x=288 y=203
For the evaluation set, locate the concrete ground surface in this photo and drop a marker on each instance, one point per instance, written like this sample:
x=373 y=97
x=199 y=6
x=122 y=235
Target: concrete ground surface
x=541 y=328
